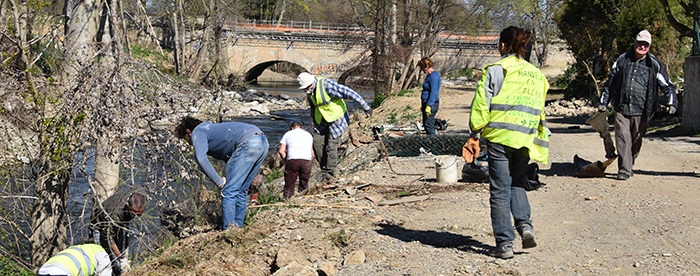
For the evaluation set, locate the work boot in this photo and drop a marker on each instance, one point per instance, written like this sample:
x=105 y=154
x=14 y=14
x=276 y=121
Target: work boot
x=622 y=176
x=504 y=250
x=528 y=236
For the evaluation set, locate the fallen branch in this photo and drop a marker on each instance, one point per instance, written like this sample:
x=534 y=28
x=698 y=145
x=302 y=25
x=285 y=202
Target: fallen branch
x=307 y=205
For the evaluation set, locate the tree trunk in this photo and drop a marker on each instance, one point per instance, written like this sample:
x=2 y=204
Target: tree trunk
x=176 y=40
x=107 y=147
x=81 y=28
x=49 y=214
x=203 y=51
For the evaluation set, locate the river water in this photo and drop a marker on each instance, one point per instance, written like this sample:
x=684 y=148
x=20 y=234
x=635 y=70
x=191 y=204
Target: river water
x=274 y=128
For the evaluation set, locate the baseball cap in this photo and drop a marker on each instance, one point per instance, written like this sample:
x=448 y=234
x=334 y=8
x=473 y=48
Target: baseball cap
x=645 y=36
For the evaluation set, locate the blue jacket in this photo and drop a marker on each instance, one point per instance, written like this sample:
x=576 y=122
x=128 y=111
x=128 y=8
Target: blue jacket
x=431 y=89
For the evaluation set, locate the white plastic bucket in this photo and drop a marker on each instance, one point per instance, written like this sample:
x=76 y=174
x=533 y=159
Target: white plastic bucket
x=446 y=169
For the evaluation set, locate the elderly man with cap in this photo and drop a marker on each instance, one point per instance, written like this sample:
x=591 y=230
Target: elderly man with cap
x=632 y=89
x=110 y=219
x=330 y=116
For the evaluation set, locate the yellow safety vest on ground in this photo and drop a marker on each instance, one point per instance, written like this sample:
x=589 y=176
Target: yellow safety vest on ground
x=516 y=116
x=325 y=108
x=78 y=259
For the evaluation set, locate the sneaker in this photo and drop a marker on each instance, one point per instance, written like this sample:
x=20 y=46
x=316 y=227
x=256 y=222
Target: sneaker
x=504 y=250
x=528 y=236
x=622 y=176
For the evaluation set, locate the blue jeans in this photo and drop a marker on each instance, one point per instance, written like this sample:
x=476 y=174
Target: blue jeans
x=429 y=121
x=241 y=169
x=507 y=170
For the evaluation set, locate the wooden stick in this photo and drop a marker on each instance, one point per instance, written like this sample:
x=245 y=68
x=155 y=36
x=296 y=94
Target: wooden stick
x=307 y=205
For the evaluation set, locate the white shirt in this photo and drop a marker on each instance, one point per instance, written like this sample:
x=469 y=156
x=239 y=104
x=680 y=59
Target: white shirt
x=299 y=144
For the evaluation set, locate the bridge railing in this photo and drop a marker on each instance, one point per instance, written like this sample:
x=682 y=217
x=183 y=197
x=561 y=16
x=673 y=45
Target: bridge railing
x=479 y=38
x=291 y=27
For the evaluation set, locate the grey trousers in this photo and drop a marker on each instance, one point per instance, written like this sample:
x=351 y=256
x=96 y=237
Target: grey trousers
x=629 y=131
x=326 y=151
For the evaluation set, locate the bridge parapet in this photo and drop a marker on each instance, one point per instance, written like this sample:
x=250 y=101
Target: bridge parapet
x=345 y=33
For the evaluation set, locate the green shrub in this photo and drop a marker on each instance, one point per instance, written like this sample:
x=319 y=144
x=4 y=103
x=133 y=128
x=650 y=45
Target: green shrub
x=378 y=99
x=9 y=267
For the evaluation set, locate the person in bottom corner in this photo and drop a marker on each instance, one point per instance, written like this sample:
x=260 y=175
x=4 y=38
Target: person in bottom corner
x=244 y=148
x=508 y=111
x=86 y=259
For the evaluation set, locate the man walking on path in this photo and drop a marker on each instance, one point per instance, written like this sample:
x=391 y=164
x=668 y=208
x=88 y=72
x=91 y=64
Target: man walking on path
x=243 y=146
x=110 y=219
x=632 y=89
x=330 y=116
x=296 y=148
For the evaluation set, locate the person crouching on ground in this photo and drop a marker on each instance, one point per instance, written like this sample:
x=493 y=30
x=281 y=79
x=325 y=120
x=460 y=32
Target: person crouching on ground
x=243 y=146
x=511 y=91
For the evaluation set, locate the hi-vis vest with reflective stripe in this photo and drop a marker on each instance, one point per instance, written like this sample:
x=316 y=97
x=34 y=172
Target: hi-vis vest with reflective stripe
x=515 y=117
x=78 y=259
x=325 y=108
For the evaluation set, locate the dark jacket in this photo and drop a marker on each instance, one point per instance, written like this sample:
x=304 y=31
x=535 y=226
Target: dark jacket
x=614 y=93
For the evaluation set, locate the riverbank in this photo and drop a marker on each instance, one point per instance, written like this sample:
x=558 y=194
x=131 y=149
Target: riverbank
x=589 y=226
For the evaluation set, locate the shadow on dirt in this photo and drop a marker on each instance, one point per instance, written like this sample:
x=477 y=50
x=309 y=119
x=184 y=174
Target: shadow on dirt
x=653 y=173
x=560 y=169
x=435 y=238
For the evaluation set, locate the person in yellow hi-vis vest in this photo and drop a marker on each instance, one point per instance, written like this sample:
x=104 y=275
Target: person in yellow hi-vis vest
x=330 y=116
x=508 y=111
x=86 y=259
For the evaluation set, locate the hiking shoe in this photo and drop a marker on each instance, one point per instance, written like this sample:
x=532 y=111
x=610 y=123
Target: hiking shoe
x=528 y=236
x=504 y=250
x=622 y=176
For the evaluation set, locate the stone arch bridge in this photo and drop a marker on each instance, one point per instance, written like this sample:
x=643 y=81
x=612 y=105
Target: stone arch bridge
x=334 y=51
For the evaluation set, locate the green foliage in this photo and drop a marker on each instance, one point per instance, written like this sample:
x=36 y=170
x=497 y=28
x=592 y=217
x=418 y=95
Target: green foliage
x=607 y=28
x=378 y=99
x=9 y=267
x=464 y=72
x=392 y=118
x=576 y=83
x=340 y=238
x=404 y=92
x=274 y=174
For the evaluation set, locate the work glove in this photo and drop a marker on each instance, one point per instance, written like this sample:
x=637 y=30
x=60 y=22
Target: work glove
x=124 y=264
x=368 y=112
x=602 y=108
x=671 y=110
x=427 y=110
x=470 y=150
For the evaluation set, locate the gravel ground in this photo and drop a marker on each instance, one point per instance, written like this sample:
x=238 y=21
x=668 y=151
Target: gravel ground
x=647 y=225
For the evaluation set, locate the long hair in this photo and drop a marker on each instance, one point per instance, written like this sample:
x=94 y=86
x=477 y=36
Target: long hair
x=516 y=40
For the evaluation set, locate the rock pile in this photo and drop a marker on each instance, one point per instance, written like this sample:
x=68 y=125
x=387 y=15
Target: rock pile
x=570 y=108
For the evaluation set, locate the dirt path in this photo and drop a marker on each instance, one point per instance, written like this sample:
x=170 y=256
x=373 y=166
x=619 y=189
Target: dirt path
x=597 y=226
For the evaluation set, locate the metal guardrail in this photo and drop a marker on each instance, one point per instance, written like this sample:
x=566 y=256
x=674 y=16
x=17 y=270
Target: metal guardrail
x=343 y=33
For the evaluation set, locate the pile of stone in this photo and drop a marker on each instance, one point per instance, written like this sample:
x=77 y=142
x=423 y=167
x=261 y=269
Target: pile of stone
x=570 y=108
x=255 y=103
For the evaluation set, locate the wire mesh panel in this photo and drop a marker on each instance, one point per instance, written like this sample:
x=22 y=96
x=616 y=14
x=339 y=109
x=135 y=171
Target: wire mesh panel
x=410 y=145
